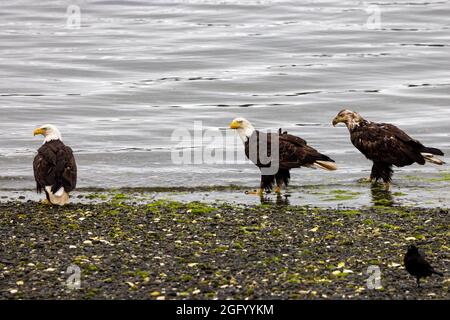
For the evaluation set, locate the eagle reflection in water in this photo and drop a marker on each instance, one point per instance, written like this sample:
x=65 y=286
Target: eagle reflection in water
x=279 y=200
x=381 y=197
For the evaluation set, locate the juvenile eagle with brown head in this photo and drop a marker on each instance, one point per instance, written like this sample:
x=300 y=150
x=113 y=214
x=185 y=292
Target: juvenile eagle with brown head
x=293 y=152
x=386 y=145
x=55 y=169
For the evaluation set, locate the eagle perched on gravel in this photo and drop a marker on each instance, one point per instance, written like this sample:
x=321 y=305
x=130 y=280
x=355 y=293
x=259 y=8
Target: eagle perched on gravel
x=386 y=145
x=292 y=152
x=55 y=169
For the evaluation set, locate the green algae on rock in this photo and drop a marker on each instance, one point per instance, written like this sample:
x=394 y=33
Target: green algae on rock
x=173 y=250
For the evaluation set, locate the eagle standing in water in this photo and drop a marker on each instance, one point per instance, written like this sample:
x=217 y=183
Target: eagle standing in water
x=293 y=152
x=55 y=170
x=386 y=145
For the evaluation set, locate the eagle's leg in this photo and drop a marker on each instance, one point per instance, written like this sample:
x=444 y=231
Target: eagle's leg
x=282 y=177
x=381 y=170
x=418 y=282
x=46 y=201
x=387 y=178
x=278 y=189
x=266 y=184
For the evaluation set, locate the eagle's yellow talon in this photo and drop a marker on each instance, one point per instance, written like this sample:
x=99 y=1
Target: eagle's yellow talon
x=46 y=202
x=258 y=192
x=278 y=190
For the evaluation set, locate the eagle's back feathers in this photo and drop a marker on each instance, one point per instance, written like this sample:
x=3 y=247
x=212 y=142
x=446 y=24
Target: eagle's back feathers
x=55 y=166
x=386 y=143
x=294 y=152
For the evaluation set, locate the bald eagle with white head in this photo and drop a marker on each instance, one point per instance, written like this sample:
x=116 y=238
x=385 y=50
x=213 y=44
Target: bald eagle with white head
x=293 y=152
x=386 y=145
x=55 y=169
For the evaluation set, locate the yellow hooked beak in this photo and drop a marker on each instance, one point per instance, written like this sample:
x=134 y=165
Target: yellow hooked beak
x=38 y=131
x=337 y=120
x=234 y=124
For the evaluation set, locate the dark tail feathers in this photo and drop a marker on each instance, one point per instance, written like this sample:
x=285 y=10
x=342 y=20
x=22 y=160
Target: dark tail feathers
x=325 y=158
x=438 y=273
x=267 y=182
x=434 y=151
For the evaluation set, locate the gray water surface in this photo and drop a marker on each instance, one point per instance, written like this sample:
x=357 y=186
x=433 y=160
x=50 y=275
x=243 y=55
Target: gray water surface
x=135 y=71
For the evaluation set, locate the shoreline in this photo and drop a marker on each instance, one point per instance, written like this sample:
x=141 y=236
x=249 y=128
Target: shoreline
x=410 y=191
x=192 y=250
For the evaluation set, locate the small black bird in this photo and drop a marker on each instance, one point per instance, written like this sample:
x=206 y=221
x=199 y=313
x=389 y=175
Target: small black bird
x=417 y=266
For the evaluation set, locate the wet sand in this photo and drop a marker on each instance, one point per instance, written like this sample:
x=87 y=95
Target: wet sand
x=413 y=189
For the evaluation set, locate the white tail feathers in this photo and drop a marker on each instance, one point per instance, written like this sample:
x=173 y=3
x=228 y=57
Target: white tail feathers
x=61 y=197
x=60 y=192
x=432 y=159
x=325 y=165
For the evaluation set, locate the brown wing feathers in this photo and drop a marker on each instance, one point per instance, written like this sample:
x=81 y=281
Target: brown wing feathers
x=55 y=166
x=293 y=151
